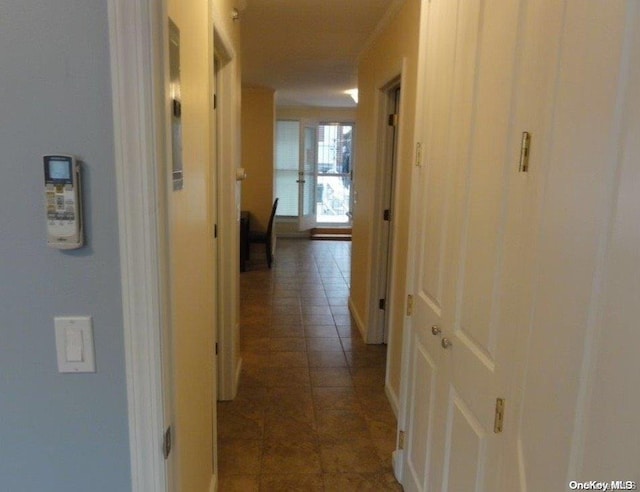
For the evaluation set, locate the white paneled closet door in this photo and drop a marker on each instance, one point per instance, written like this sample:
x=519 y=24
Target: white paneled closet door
x=461 y=351
x=509 y=263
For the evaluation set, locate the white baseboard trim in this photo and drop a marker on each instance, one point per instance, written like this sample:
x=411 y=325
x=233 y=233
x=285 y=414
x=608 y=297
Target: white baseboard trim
x=393 y=399
x=357 y=319
x=397 y=459
x=213 y=485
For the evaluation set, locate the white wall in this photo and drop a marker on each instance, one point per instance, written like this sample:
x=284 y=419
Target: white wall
x=58 y=431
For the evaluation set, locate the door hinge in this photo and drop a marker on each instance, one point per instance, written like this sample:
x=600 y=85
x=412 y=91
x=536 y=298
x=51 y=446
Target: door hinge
x=176 y=108
x=499 y=419
x=409 y=305
x=166 y=443
x=418 y=154
x=393 y=120
x=215 y=101
x=216 y=348
x=401 y=440
x=382 y=304
x=215 y=231
x=386 y=215
x=525 y=145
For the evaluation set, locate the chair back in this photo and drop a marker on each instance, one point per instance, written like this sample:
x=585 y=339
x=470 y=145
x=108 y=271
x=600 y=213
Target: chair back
x=271 y=219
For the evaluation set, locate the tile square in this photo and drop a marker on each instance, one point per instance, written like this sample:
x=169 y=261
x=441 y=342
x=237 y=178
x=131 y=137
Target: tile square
x=316 y=310
x=239 y=456
x=239 y=483
x=365 y=359
x=324 y=344
x=336 y=399
x=320 y=331
x=348 y=331
x=286 y=344
x=330 y=376
x=340 y=426
x=358 y=482
x=319 y=300
x=288 y=359
x=370 y=376
x=285 y=376
x=293 y=331
x=283 y=425
x=318 y=319
x=297 y=454
x=343 y=319
x=286 y=319
x=291 y=482
x=327 y=358
x=352 y=343
x=353 y=455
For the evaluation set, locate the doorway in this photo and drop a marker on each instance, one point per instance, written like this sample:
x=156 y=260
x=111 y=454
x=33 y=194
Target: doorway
x=334 y=175
x=383 y=227
x=313 y=172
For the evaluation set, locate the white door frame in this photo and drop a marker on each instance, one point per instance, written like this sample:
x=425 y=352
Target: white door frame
x=229 y=362
x=375 y=331
x=137 y=36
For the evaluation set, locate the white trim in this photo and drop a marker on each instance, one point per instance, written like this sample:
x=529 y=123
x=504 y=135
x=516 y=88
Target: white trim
x=392 y=397
x=213 y=484
x=228 y=214
x=377 y=320
x=135 y=38
x=414 y=214
x=358 y=320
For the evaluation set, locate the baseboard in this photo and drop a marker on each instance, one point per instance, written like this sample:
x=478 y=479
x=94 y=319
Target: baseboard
x=397 y=459
x=213 y=485
x=236 y=379
x=356 y=317
x=393 y=399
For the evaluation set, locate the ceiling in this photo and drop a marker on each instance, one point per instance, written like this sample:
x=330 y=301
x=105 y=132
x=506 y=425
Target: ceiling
x=307 y=50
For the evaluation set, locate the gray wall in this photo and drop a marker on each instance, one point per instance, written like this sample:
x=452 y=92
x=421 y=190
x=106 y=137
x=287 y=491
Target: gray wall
x=58 y=432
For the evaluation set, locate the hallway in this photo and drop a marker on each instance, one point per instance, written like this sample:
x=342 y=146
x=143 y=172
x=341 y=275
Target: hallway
x=311 y=413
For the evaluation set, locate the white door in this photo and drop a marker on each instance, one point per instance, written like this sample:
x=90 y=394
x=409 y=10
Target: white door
x=459 y=349
x=307 y=177
x=509 y=265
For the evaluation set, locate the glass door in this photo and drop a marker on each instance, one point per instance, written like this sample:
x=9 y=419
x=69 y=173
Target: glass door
x=313 y=171
x=333 y=185
x=306 y=178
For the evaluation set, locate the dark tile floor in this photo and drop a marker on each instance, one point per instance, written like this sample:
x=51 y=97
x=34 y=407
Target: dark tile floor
x=311 y=413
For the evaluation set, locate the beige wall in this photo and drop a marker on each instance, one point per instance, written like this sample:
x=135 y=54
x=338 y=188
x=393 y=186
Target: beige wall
x=193 y=253
x=381 y=62
x=258 y=130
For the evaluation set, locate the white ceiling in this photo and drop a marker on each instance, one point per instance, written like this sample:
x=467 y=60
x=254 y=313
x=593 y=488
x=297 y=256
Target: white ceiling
x=307 y=50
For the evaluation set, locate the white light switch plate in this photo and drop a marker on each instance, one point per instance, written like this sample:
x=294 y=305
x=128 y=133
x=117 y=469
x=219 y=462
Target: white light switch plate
x=74 y=344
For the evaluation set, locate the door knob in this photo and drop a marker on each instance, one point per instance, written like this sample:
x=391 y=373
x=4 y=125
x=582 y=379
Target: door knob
x=446 y=343
x=435 y=329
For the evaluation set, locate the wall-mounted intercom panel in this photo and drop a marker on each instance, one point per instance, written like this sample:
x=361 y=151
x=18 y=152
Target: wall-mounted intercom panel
x=62 y=189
